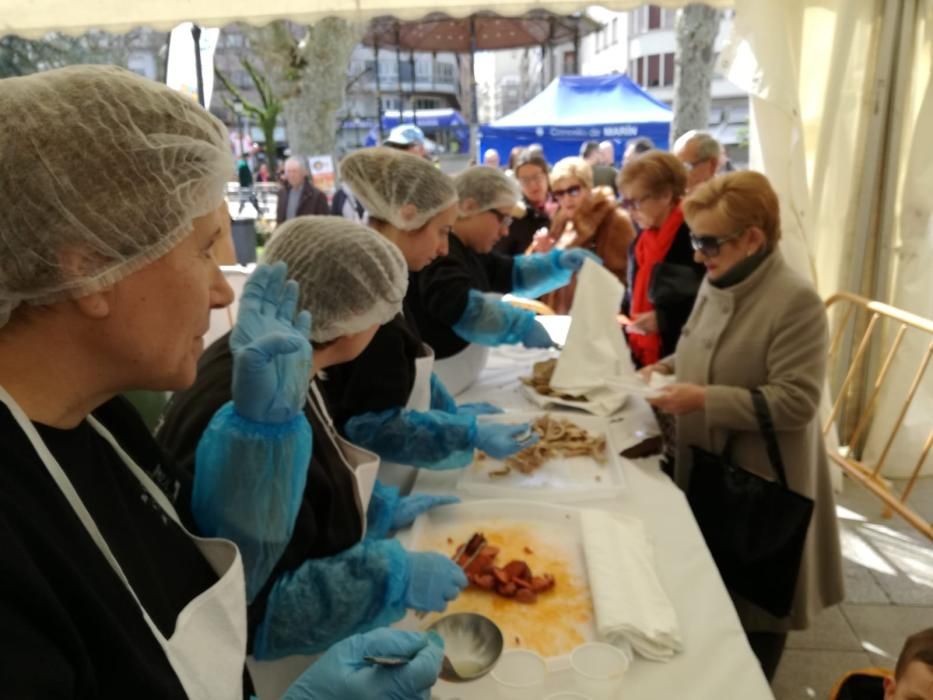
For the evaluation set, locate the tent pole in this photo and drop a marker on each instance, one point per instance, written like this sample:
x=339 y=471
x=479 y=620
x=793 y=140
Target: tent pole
x=576 y=49
x=474 y=109
x=378 y=92
x=411 y=64
x=398 y=68
x=196 y=35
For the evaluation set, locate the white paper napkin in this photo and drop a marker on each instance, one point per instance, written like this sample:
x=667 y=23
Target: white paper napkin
x=628 y=599
x=595 y=347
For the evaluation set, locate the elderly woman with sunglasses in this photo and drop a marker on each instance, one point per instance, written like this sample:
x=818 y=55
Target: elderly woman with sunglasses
x=586 y=218
x=663 y=277
x=756 y=324
x=456 y=300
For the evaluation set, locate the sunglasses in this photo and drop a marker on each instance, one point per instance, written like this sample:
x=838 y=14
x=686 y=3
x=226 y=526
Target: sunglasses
x=503 y=219
x=635 y=204
x=570 y=192
x=711 y=245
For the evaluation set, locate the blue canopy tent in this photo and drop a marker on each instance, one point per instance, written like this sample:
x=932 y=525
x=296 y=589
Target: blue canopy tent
x=445 y=126
x=578 y=108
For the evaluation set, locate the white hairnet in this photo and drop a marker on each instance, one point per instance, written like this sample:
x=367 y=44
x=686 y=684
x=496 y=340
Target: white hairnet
x=103 y=172
x=351 y=278
x=482 y=188
x=398 y=187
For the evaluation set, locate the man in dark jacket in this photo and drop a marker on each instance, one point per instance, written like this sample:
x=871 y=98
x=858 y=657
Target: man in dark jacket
x=298 y=197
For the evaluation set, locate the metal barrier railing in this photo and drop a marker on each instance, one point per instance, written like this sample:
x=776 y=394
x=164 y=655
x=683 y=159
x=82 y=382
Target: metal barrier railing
x=858 y=313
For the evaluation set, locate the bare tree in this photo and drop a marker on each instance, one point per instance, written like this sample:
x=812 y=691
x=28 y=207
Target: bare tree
x=307 y=67
x=266 y=111
x=696 y=29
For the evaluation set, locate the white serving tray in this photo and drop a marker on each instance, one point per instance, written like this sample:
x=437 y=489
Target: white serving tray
x=562 y=480
x=557 y=533
x=549 y=538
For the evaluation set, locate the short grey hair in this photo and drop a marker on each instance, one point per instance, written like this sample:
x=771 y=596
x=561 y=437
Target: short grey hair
x=297 y=161
x=708 y=148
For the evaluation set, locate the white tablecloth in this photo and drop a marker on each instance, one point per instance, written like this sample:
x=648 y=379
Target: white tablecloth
x=717 y=662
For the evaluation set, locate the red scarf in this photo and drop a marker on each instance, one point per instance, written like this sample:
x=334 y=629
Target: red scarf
x=651 y=248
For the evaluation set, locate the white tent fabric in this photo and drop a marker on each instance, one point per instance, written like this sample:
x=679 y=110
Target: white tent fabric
x=820 y=78
x=37 y=17
x=819 y=75
x=912 y=248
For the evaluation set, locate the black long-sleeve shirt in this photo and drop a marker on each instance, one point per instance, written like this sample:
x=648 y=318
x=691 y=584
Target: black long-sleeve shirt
x=70 y=628
x=438 y=294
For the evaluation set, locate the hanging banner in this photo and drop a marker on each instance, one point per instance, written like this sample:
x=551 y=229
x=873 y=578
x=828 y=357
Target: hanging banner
x=323 y=174
x=181 y=71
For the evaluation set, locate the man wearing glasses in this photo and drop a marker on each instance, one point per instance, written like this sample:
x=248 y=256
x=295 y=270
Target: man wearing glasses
x=700 y=154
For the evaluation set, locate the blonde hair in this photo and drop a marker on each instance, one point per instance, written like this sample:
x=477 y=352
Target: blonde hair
x=744 y=199
x=574 y=167
x=658 y=171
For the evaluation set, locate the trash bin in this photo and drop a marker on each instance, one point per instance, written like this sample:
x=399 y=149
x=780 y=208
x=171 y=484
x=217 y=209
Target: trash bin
x=244 y=240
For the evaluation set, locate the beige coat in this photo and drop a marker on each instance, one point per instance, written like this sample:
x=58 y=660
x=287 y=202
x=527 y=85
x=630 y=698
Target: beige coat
x=768 y=331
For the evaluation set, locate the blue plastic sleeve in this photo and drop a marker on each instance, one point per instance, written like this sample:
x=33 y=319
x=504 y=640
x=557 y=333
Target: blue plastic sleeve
x=248 y=485
x=381 y=511
x=537 y=274
x=488 y=320
x=326 y=600
x=424 y=439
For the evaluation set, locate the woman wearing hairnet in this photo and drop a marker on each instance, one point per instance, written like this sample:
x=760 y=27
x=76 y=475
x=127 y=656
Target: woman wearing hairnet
x=455 y=300
x=330 y=582
x=106 y=285
x=388 y=399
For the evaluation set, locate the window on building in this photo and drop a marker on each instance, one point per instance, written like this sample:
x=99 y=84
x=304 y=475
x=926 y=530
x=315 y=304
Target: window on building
x=668 y=19
x=426 y=103
x=444 y=72
x=654 y=17
x=668 y=69
x=634 y=28
x=737 y=114
x=640 y=73
x=405 y=73
x=570 y=61
x=423 y=68
x=615 y=30
x=654 y=71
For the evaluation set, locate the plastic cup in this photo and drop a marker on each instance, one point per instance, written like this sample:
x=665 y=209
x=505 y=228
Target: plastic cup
x=599 y=669
x=520 y=675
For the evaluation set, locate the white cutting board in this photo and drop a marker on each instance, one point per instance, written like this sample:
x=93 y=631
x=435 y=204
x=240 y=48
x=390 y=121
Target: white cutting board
x=560 y=480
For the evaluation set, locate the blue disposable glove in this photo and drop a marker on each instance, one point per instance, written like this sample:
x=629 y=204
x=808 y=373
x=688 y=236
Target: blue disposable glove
x=433 y=581
x=574 y=258
x=410 y=507
x=341 y=673
x=500 y=440
x=537 y=337
x=478 y=409
x=271 y=350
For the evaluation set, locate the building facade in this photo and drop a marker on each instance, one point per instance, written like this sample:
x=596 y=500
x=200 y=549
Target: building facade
x=641 y=43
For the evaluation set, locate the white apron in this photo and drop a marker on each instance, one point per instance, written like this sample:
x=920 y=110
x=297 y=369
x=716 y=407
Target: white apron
x=208 y=646
x=403 y=475
x=458 y=372
x=272 y=678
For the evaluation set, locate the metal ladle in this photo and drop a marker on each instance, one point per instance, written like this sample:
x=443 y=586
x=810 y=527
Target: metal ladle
x=472 y=645
x=475 y=642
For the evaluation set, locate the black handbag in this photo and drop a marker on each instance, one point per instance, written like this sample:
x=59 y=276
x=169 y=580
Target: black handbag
x=754 y=528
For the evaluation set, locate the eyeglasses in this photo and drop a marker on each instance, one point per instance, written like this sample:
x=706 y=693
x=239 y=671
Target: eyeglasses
x=528 y=180
x=503 y=219
x=711 y=245
x=569 y=192
x=635 y=204
x=690 y=166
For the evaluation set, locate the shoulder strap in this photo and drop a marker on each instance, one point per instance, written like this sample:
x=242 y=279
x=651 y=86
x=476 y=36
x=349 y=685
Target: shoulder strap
x=766 y=424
